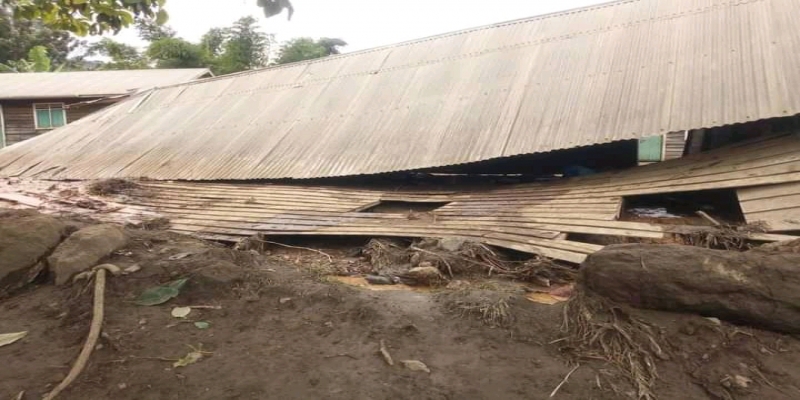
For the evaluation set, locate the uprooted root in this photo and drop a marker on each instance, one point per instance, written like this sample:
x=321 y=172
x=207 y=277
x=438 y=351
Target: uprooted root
x=597 y=329
x=725 y=237
x=108 y=187
x=476 y=258
x=490 y=307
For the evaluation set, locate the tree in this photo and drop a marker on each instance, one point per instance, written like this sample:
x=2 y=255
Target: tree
x=244 y=48
x=37 y=61
x=301 y=49
x=122 y=56
x=84 y=17
x=151 y=31
x=18 y=37
x=177 y=53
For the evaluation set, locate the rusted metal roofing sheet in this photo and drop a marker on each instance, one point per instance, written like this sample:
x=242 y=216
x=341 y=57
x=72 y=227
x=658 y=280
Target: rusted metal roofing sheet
x=44 y=85
x=776 y=205
x=617 y=71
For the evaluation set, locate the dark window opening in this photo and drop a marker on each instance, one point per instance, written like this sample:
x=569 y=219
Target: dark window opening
x=681 y=208
x=403 y=207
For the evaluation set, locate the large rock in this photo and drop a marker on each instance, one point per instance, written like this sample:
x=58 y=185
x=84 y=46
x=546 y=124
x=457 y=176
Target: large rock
x=756 y=288
x=26 y=238
x=84 y=249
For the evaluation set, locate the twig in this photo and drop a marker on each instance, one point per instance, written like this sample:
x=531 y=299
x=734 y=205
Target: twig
x=708 y=218
x=444 y=260
x=564 y=381
x=156 y=358
x=20 y=396
x=385 y=353
x=342 y=355
x=91 y=340
x=330 y=259
x=206 y=307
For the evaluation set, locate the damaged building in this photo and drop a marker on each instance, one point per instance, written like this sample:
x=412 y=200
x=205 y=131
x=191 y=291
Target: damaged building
x=527 y=135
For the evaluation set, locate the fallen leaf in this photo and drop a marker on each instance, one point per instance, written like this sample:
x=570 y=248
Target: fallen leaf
x=157 y=295
x=179 y=284
x=189 y=359
x=202 y=325
x=414 y=365
x=285 y=300
x=9 y=338
x=181 y=312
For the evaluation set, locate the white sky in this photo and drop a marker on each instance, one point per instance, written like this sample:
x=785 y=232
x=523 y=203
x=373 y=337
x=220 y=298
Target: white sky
x=361 y=23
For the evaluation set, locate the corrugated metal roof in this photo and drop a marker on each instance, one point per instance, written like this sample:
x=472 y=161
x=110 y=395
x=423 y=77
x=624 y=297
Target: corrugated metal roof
x=618 y=71
x=91 y=83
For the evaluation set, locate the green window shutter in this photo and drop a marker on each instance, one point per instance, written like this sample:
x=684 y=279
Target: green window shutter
x=650 y=149
x=43 y=119
x=57 y=117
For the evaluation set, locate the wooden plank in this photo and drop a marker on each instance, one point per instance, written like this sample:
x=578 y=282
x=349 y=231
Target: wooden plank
x=776 y=205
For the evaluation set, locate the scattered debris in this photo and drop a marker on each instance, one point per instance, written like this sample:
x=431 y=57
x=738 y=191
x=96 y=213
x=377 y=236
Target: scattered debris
x=9 y=338
x=416 y=366
x=109 y=187
x=385 y=353
x=192 y=357
x=598 y=330
x=284 y=300
x=161 y=294
x=381 y=280
x=179 y=256
x=132 y=269
x=564 y=381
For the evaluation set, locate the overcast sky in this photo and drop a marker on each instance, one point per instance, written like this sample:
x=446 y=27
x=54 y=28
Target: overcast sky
x=361 y=23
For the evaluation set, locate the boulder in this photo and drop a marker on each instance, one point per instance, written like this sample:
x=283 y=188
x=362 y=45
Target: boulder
x=84 y=249
x=760 y=289
x=26 y=238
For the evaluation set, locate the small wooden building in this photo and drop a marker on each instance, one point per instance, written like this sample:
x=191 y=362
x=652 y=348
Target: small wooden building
x=34 y=103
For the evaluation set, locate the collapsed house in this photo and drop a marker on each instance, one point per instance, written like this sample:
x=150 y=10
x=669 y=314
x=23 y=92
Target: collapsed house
x=703 y=86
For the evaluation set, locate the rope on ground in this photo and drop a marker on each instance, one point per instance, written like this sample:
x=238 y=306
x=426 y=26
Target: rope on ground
x=94 y=334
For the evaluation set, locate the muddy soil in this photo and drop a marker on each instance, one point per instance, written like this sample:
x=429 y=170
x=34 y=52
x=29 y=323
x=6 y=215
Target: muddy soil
x=286 y=332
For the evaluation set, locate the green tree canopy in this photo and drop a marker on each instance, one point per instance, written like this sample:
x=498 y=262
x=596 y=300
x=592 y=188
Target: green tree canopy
x=177 y=53
x=84 y=17
x=244 y=47
x=18 y=37
x=122 y=56
x=37 y=61
x=305 y=48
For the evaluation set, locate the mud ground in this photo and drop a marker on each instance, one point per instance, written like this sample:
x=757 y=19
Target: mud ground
x=284 y=331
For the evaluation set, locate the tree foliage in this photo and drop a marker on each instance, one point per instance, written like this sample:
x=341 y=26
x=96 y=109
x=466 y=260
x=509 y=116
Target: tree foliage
x=122 y=56
x=244 y=48
x=301 y=49
x=84 y=17
x=38 y=61
x=176 y=53
x=151 y=31
x=18 y=37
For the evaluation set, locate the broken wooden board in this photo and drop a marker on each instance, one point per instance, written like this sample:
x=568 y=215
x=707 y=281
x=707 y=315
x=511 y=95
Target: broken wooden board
x=776 y=205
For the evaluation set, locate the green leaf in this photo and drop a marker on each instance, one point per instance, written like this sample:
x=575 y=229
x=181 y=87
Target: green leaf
x=179 y=284
x=162 y=17
x=202 y=325
x=157 y=295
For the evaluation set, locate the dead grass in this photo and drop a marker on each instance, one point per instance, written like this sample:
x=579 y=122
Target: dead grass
x=492 y=308
x=598 y=330
x=724 y=237
x=384 y=253
x=109 y=187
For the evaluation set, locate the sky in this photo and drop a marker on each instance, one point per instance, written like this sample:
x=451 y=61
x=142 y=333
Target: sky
x=362 y=24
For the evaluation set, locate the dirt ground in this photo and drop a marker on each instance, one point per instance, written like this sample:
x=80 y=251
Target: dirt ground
x=283 y=330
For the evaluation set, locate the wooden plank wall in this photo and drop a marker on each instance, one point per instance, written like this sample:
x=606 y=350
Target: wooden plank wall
x=529 y=217
x=19 y=119
x=776 y=205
